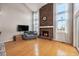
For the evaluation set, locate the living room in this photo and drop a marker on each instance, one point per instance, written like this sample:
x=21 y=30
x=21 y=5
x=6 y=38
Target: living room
x=43 y=29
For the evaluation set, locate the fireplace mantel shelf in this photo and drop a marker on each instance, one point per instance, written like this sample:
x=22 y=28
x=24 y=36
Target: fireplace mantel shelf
x=46 y=26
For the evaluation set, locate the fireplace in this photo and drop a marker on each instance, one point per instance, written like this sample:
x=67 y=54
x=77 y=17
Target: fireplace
x=45 y=33
x=46 y=21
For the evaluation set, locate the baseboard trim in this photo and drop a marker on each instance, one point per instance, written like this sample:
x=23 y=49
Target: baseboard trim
x=8 y=40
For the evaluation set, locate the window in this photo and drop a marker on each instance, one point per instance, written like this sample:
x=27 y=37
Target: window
x=61 y=16
x=35 y=21
x=61 y=7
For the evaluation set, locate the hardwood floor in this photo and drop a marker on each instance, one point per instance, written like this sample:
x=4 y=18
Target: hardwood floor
x=40 y=47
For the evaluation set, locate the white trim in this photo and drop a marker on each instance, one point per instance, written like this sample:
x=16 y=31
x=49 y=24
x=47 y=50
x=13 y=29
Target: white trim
x=46 y=26
x=6 y=41
x=74 y=28
x=54 y=21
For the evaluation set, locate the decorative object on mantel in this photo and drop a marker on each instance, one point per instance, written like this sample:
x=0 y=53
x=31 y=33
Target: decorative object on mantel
x=2 y=49
x=44 y=18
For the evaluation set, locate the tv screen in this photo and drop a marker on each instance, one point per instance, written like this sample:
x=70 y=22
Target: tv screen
x=22 y=28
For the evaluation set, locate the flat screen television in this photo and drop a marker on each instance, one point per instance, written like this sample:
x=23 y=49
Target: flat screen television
x=22 y=28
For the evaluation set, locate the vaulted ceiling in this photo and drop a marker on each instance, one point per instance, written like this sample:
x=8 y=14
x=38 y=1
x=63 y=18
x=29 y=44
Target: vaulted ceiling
x=21 y=6
x=34 y=6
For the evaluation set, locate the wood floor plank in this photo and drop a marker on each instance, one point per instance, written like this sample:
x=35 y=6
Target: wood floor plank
x=44 y=47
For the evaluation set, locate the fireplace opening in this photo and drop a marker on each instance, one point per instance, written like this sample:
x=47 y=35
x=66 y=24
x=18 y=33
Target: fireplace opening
x=45 y=33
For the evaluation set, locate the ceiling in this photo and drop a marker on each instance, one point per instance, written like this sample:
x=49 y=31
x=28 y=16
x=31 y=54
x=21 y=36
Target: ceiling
x=34 y=6
x=30 y=6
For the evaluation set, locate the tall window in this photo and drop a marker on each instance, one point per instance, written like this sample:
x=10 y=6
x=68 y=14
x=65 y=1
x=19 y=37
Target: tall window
x=35 y=21
x=61 y=16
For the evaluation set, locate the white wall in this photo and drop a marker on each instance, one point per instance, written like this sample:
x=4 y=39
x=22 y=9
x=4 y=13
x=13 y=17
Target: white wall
x=12 y=15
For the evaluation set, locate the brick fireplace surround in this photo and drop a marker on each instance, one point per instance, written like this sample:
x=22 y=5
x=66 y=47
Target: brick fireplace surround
x=46 y=26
